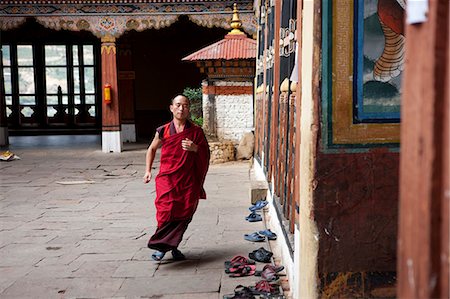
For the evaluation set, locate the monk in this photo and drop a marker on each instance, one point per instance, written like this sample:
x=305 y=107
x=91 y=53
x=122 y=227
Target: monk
x=184 y=163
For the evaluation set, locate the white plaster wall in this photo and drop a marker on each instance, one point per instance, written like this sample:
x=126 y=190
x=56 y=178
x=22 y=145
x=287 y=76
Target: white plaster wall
x=305 y=256
x=128 y=133
x=111 y=142
x=234 y=116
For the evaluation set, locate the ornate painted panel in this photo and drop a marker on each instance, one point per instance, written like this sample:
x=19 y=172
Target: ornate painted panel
x=116 y=17
x=363 y=56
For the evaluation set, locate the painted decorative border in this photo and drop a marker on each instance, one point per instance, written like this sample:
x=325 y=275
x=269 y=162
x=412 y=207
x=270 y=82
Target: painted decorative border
x=112 y=8
x=340 y=131
x=114 y=19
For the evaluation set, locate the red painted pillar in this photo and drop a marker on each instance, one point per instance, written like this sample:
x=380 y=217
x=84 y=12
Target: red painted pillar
x=111 y=137
x=423 y=245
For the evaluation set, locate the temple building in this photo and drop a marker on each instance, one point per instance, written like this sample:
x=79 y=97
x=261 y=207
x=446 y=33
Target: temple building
x=355 y=215
x=83 y=67
x=350 y=102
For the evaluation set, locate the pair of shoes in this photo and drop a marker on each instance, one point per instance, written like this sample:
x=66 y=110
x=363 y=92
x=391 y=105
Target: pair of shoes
x=269 y=272
x=158 y=255
x=242 y=270
x=254 y=237
x=258 y=205
x=253 y=217
x=269 y=268
x=269 y=234
x=260 y=255
x=240 y=292
x=237 y=261
x=178 y=255
x=265 y=288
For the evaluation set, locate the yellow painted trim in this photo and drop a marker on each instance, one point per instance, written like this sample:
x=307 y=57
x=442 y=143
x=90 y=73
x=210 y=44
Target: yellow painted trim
x=108 y=49
x=344 y=131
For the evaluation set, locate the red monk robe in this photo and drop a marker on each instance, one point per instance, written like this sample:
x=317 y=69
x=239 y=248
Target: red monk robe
x=179 y=184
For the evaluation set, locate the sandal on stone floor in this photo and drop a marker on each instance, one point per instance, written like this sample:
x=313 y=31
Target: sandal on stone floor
x=253 y=217
x=261 y=255
x=236 y=261
x=158 y=255
x=239 y=261
x=254 y=237
x=273 y=268
x=258 y=205
x=263 y=287
x=178 y=255
x=240 y=292
x=243 y=270
x=269 y=234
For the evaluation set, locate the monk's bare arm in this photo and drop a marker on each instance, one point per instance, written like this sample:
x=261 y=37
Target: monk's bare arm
x=150 y=157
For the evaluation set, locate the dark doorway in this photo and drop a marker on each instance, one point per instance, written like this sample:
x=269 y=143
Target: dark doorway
x=159 y=72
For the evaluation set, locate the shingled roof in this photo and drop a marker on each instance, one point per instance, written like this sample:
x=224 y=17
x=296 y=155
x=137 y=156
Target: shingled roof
x=235 y=45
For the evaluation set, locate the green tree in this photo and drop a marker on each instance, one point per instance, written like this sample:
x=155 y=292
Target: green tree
x=195 y=97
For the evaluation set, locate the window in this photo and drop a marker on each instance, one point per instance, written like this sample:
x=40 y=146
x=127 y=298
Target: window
x=50 y=85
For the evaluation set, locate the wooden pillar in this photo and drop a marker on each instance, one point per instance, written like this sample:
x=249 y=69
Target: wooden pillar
x=296 y=88
x=275 y=117
x=4 y=138
x=423 y=246
x=126 y=77
x=111 y=139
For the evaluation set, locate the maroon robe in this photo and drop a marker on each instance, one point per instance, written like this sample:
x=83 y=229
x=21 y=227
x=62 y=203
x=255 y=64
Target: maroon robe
x=179 y=184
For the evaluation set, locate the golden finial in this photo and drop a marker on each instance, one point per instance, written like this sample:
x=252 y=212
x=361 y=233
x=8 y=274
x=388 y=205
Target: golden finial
x=236 y=24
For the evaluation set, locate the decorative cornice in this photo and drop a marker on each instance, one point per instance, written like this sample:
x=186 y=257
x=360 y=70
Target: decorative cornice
x=116 y=17
x=11 y=23
x=112 y=8
x=102 y=26
x=106 y=2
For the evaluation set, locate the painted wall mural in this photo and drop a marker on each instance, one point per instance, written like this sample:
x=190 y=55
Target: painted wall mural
x=363 y=58
x=379 y=59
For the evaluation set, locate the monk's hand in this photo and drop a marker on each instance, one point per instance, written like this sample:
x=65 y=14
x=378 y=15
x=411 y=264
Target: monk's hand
x=188 y=145
x=147 y=177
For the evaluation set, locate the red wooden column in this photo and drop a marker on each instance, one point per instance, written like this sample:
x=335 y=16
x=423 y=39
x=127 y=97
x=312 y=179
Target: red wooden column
x=275 y=117
x=423 y=246
x=111 y=137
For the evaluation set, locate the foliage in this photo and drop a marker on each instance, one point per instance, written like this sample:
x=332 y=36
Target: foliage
x=197 y=120
x=195 y=97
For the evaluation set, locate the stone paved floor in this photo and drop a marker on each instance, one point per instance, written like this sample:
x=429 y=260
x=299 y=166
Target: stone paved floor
x=74 y=223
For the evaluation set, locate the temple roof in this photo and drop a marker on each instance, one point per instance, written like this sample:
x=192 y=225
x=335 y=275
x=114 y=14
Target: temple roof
x=233 y=46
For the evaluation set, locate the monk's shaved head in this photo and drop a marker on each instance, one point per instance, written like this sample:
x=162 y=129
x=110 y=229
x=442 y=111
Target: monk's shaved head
x=180 y=96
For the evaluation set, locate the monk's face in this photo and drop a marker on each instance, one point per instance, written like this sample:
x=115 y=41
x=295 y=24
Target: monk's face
x=180 y=108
